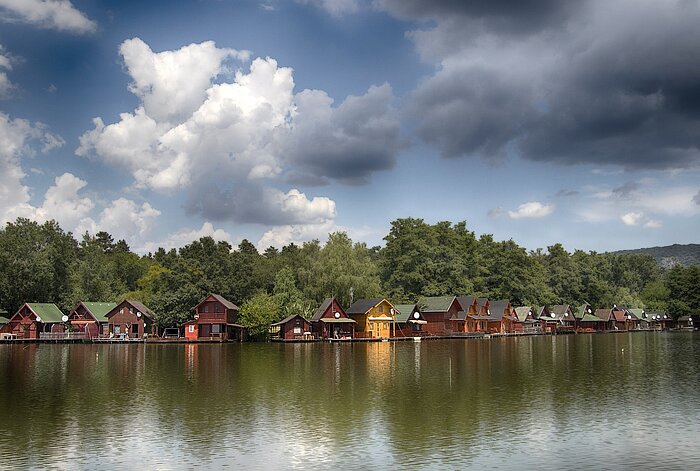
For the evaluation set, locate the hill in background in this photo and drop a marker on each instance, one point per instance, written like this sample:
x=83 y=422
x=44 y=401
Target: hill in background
x=686 y=255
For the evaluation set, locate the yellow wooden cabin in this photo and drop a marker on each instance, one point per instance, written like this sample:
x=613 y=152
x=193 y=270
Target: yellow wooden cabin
x=376 y=318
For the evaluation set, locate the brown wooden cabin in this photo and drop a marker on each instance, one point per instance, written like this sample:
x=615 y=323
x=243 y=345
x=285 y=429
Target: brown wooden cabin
x=330 y=321
x=606 y=315
x=501 y=317
x=409 y=321
x=130 y=319
x=691 y=322
x=438 y=312
x=592 y=323
x=91 y=317
x=468 y=305
x=477 y=318
x=580 y=312
x=375 y=317
x=661 y=321
x=563 y=314
x=215 y=318
x=33 y=319
x=548 y=321
x=293 y=327
x=622 y=318
x=525 y=320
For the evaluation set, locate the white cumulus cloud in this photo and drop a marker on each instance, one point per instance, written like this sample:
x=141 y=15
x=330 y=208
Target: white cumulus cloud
x=531 y=209
x=223 y=143
x=60 y=15
x=632 y=218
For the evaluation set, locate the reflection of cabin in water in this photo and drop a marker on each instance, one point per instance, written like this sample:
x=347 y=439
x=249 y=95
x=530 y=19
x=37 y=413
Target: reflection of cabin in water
x=90 y=317
x=130 y=319
x=375 y=318
x=293 y=327
x=215 y=318
x=33 y=319
x=409 y=321
x=330 y=321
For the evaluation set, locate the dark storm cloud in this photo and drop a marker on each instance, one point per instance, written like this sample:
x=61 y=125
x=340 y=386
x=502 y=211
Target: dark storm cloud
x=247 y=201
x=359 y=137
x=511 y=15
x=620 y=86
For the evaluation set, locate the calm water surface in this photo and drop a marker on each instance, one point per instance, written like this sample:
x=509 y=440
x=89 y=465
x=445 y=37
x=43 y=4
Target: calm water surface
x=605 y=401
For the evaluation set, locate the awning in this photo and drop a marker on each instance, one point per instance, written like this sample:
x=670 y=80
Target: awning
x=414 y=321
x=383 y=319
x=342 y=320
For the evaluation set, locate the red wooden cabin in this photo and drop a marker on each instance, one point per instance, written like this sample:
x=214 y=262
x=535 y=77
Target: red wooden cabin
x=130 y=319
x=438 y=312
x=409 y=321
x=215 y=318
x=33 y=319
x=90 y=317
x=293 y=327
x=331 y=321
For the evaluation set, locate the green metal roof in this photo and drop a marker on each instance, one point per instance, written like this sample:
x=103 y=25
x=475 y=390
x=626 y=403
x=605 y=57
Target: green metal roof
x=404 y=311
x=591 y=318
x=99 y=309
x=436 y=303
x=48 y=312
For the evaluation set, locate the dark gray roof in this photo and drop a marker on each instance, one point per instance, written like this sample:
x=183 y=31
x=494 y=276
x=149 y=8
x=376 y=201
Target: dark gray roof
x=289 y=318
x=465 y=301
x=363 y=305
x=497 y=308
x=322 y=309
x=461 y=315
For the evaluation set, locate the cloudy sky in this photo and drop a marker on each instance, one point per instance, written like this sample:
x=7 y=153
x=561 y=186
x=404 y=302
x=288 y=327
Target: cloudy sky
x=281 y=120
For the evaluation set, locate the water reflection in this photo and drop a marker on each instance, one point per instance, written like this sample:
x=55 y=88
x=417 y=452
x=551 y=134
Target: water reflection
x=577 y=401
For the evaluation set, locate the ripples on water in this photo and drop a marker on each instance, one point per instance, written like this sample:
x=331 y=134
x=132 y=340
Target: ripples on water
x=622 y=401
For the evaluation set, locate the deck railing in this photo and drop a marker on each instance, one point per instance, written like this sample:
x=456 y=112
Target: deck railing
x=62 y=335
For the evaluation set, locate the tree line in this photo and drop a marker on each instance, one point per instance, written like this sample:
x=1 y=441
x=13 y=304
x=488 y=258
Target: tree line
x=43 y=263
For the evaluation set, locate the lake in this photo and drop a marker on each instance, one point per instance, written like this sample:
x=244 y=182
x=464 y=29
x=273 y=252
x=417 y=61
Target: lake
x=586 y=401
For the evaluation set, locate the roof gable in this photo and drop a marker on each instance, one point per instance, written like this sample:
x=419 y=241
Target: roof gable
x=328 y=308
x=138 y=305
x=291 y=317
x=217 y=297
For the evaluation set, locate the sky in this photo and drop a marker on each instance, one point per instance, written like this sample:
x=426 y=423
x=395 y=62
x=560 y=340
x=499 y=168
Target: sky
x=280 y=121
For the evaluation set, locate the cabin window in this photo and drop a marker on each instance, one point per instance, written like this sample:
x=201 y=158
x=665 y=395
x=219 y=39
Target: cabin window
x=135 y=329
x=217 y=308
x=191 y=328
x=206 y=308
x=215 y=328
x=386 y=325
x=131 y=310
x=297 y=330
x=381 y=308
x=117 y=329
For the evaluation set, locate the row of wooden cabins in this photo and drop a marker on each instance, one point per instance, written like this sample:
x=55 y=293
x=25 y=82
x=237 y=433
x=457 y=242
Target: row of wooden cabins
x=216 y=318
x=450 y=316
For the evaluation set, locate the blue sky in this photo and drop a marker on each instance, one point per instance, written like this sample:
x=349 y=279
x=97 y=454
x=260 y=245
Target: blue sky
x=279 y=121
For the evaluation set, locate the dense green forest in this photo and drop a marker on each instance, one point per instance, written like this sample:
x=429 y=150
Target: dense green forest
x=42 y=263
